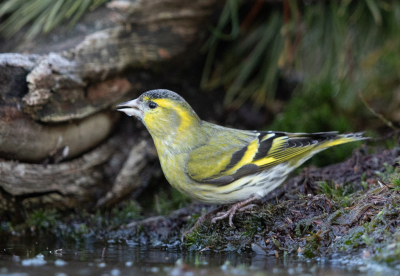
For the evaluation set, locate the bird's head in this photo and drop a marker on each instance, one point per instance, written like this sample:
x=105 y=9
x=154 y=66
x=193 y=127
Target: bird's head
x=163 y=112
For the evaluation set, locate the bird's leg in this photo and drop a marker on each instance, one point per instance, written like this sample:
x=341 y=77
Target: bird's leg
x=231 y=212
x=201 y=220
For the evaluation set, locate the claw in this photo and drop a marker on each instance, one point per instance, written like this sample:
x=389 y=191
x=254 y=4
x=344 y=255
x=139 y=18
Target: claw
x=238 y=207
x=220 y=216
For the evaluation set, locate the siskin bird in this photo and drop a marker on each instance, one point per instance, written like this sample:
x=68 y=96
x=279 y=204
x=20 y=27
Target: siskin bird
x=219 y=165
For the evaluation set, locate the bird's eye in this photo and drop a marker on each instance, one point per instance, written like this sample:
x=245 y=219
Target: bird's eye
x=152 y=105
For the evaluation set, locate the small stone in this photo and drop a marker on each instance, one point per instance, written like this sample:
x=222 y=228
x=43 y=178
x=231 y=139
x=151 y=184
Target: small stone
x=115 y=272
x=225 y=266
x=129 y=264
x=33 y=262
x=257 y=249
x=300 y=250
x=60 y=262
x=366 y=254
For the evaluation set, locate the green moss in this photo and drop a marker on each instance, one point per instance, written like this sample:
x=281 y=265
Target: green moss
x=169 y=200
x=311 y=248
x=367 y=240
x=390 y=175
x=206 y=236
x=351 y=240
x=396 y=183
x=83 y=225
x=43 y=220
x=339 y=194
x=303 y=227
x=333 y=219
x=128 y=211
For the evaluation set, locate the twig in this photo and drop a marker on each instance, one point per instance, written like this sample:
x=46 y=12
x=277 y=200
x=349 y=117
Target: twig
x=380 y=116
x=205 y=248
x=252 y=14
x=387 y=136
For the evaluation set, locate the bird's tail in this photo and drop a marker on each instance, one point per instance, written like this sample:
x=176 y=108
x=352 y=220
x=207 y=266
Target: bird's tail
x=344 y=138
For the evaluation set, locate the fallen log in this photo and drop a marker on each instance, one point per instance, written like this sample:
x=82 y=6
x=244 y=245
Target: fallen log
x=78 y=183
x=56 y=96
x=25 y=140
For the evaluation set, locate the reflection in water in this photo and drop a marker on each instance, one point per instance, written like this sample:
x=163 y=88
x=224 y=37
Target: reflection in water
x=41 y=256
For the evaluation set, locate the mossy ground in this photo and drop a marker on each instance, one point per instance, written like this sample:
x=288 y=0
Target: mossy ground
x=311 y=225
x=326 y=217
x=350 y=206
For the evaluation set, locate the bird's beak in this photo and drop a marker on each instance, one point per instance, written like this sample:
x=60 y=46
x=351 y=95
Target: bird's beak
x=130 y=108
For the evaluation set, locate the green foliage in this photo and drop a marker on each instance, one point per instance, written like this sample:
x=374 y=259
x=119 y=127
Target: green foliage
x=314 y=109
x=391 y=252
x=129 y=211
x=339 y=194
x=367 y=240
x=335 y=50
x=42 y=15
x=391 y=176
x=82 y=225
x=193 y=239
x=167 y=201
x=78 y=232
x=396 y=183
x=207 y=236
x=303 y=227
x=311 y=248
x=43 y=220
x=352 y=239
x=255 y=76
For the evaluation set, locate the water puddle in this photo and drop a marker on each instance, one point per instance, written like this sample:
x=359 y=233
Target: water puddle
x=47 y=256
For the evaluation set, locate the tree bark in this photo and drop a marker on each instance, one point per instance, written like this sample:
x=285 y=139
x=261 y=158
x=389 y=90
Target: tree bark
x=56 y=93
x=76 y=183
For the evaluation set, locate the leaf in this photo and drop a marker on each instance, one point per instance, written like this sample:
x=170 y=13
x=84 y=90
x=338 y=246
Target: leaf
x=42 y=15
x=376 y=13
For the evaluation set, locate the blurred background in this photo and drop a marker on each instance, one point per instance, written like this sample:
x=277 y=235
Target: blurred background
x=295 y=66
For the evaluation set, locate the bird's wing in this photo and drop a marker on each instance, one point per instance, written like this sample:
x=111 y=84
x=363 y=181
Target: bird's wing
x=215 y=163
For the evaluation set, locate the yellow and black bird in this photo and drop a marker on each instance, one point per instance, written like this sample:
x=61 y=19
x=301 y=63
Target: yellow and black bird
x=220 y=165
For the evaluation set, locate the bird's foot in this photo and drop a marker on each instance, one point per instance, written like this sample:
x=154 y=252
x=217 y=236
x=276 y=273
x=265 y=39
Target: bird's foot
x=238 y=207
